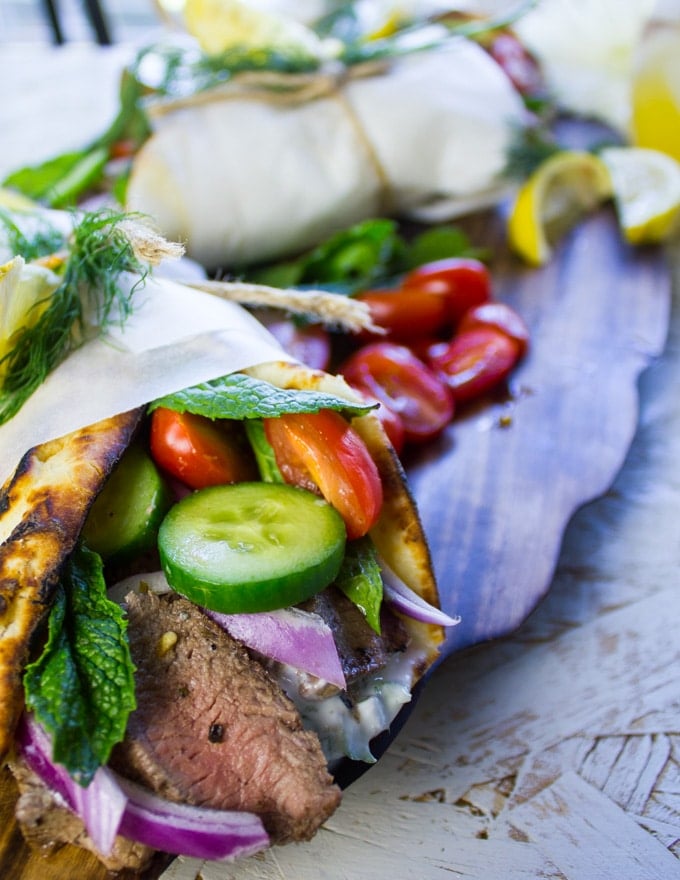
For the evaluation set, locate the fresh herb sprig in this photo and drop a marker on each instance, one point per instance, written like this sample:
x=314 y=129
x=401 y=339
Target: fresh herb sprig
x=81 y=688
x=89 y=299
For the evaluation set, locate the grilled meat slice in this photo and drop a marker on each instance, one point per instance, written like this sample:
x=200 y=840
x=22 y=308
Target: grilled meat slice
x=42 y=510
x=361 y=650
x=47 y=824
x=212 y=728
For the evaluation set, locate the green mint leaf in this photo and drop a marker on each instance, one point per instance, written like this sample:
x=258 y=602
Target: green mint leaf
x=81 y=688
x=238 y=396
x=264 y=454
x=360 y=579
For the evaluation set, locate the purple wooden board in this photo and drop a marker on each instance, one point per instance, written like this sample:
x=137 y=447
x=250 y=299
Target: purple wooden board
x=494 y=499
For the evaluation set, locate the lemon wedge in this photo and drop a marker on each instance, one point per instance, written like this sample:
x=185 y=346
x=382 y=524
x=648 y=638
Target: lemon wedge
x=563 y=188
x=12 y=200
x=646 y=189
x=219 y=25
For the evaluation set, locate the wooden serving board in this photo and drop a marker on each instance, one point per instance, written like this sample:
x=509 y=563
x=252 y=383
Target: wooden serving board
x=498 y=489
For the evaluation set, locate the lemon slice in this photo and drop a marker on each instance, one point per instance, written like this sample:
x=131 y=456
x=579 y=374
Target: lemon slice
x=219 y=25
x=646 y=187
x=561 y=190
x=15 y=201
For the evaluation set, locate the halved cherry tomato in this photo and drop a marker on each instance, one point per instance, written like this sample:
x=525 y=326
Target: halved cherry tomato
x=407 y=314
x=519 y=66
x=310 y=344
x=476 y=361
x=198 y=451
x=323 y=450
x=502 y=317
x=464 y=281
x=396 y=377
x=391 y=420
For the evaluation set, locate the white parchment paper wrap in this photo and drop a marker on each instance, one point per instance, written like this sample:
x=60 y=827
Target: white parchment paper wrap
x=242 y=180
x=176 y=337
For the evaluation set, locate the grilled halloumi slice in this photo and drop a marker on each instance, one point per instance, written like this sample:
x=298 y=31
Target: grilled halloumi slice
x=42 y=511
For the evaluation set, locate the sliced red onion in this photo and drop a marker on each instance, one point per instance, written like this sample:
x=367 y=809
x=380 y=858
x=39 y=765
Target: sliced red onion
x=197 y=832
x=111 y=805
x=298 y=638
x=100 y=806
x=410 y=603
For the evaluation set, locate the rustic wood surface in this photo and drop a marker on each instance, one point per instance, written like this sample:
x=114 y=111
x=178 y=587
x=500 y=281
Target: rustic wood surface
x=552 y=751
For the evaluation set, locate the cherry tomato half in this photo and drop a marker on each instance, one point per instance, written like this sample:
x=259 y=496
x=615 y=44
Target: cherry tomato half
x=310 y=344
x=407 y=314
x=500 y=316
x=404 y=383
x=323 y=450
x=464 y=281
x=474 y=362
x=198 y=451
x=520 y=67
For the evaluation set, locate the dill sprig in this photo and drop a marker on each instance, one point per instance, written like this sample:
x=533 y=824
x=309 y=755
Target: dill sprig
x=89 y=299
x=43 y=239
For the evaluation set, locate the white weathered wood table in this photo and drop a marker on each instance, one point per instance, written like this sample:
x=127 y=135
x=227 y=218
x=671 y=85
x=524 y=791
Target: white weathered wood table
x=554 y=752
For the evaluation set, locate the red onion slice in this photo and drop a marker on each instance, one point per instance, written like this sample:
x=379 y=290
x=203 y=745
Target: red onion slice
x=298 y=638
x=100 y=806
x=111 y=805
x=196 y=832
x=410 y=603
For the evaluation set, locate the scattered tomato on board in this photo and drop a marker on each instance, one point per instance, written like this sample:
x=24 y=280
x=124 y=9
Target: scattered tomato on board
x=395 y=376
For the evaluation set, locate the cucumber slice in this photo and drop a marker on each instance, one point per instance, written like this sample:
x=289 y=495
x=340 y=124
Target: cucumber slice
x=124 y=520
x=250 y=547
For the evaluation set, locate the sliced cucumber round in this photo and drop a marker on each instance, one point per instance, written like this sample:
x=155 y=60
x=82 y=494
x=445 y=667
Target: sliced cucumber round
x=250 y=547
x=123 y=522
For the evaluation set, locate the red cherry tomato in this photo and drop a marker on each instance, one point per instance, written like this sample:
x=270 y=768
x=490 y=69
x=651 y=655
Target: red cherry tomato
x=407 y=314
x=310 y=344
x=391 y=421
x=323 y=450
x=476 y=361
x=198 y=451
x=464 y=281
x=520 y=67
x=500 y=316
x=396 y=377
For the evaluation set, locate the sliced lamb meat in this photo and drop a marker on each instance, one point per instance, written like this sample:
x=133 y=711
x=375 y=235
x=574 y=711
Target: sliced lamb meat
x=362 y=651
x=47 y=824
x=212 y=728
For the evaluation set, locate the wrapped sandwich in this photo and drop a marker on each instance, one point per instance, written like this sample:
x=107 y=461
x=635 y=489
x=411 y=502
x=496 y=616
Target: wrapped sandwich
x=215 y=586
x=262 y=168
x=249 y=146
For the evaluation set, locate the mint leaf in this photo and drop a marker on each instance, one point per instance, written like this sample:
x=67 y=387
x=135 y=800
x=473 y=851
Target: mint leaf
x=238 y=396
x=81 y=688
x=360 y=580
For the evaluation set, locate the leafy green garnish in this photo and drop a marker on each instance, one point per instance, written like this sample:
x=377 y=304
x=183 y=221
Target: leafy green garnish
x=179 y=71
x=365 y=255
x=360 y=580
x=88 y=300
x=42 y=240
x=530 y=147
x=264 y=453
x=81 y=688
x=238 y=396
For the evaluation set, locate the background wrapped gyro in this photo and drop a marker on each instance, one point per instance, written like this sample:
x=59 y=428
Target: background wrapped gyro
x=246 y=174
